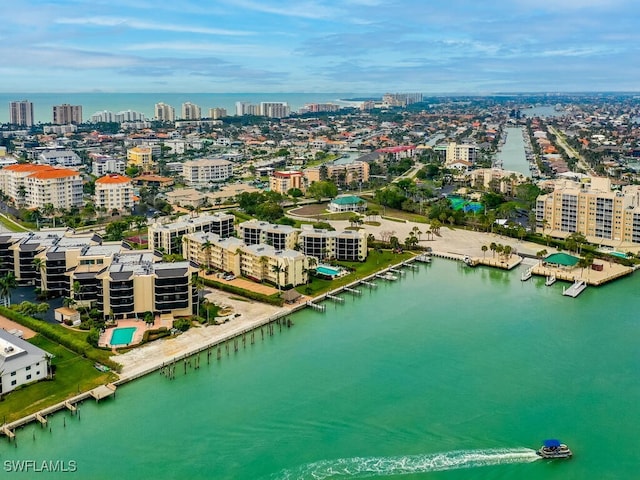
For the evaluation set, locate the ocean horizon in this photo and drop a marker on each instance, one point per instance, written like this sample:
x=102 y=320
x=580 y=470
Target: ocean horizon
x=93 y=102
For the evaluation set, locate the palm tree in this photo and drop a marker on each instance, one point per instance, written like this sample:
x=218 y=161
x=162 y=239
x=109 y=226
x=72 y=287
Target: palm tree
x=493 y=247
x=40 y=266
x=264 y=261
x=484 y=250
x=7 y=283
x=277 y=269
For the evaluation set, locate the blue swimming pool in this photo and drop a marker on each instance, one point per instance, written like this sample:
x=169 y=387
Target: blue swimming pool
x=618 y=254
x=122 y=336
x=328 y=270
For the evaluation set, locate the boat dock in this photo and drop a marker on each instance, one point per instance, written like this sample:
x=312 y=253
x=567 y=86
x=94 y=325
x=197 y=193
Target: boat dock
x=335 y=299
x=550 y=280
x=526 y=275
x=103 y=391
x=316 y=306
x=576 y=289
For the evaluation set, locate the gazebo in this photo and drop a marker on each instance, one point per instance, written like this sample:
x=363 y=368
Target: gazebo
x=561 y=260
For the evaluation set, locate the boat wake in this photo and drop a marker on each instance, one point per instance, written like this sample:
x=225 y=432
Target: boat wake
x=365 y=467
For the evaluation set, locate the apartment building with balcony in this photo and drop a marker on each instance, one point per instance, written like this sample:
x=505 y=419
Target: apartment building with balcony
x=465 y=152
x=281 y=237
x=114 y=192
x=66 y=114
x=167 y=236
x=283 y=181
x=21 y=113
x=164 y=112
x=206 y=171
x=32 y=186
x=103 y=164
x=259 y=262
x=340 y=173
x=602 y=215
x=348 y=245
x=191 y=111
x=141 y=157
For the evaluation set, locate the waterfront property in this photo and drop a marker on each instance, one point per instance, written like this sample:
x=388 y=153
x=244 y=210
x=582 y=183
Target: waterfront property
x=20 y=362
x=603 y=216
x=348 y=245
x=329 y=271
x=167 y=236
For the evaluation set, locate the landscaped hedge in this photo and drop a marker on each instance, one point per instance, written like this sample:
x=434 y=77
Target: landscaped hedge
x=60 y=335
x=260 y=297
x=151 y=335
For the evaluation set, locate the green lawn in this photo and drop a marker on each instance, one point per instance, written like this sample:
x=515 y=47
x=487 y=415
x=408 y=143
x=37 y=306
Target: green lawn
x=375 y=262
x=74 y=374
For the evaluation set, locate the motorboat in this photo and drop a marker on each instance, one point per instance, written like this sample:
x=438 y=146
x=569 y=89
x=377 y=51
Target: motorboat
x=553 y=448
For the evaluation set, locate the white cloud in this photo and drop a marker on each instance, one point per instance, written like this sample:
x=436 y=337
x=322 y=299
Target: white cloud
x=141 y=25
x=302 y=9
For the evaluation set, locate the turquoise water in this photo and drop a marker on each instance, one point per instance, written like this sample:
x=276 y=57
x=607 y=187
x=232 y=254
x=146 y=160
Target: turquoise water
x=618 y=254
x=449 y=373
x=122 y=336
x=327 y=270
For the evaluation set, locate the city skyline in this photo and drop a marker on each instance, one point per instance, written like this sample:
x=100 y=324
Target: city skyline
x=320 y=46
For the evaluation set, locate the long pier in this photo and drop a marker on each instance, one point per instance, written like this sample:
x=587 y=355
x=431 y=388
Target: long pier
x=576 y=289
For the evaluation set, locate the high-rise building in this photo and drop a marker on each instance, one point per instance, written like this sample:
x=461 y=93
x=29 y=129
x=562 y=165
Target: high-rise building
x=66 y=114
x=21 y=113
x=165 y=113
x=217 y=113
x=247 y=108
x=191 y=111
x=275 y=109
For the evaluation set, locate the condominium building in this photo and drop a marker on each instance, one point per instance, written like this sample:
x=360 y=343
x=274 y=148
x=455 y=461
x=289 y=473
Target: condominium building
x=191 y=111
x=141 y=157
x=465 y=152
x=603 y=216
x=280 y=237
x=135 y=283
x=341 y=173
x=205 y=171
x=164 y=112
x=259 y=262
x=217 y=113
x=320 y=107
x=275 y=109
x=66 y=114
x=497 y=179
x=103 y=164
x=400 y=99
x=114 y=192
x=167 y=236
x=348 y=245
x=32 y=186
x=283 y=181
x=105 y=116
x=22 y=363
x=247 y=108
x=63 y=158
x=21 y=113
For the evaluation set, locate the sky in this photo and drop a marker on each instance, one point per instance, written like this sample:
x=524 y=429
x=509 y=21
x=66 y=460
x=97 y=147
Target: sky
x=232 y=46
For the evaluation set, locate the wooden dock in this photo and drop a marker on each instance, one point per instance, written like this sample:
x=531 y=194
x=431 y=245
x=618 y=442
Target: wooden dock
x=8 y=432
x=103 y=391
x=41 y=419
x=526 y=274
x=576 y=289
x=551 y=279
x=71 y=407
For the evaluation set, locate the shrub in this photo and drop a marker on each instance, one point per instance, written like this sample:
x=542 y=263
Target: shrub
x=260 y=297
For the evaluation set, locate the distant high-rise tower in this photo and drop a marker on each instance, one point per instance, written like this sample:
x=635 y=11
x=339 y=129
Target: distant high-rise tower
x=165 y=113
x=21 y=113
x=191 y=111
x=216 y=113
x=66 y=114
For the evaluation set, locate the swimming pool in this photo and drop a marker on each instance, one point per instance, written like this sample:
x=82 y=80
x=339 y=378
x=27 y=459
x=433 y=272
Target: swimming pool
x=122 y=336
x=618 y=254
x=328 y=270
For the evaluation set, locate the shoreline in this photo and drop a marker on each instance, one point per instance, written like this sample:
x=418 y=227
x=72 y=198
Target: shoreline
x=255 y=315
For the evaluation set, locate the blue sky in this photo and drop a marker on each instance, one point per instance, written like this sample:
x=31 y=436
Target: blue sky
x=429 y=46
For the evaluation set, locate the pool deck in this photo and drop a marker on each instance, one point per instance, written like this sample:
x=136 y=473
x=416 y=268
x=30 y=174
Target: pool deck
x=140 y=325
x=610 y=271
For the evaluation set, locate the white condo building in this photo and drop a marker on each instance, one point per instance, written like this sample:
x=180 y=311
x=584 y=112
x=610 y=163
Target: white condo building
x=204 y=171
x=32 y=186
x=164 y=112
x=114 y=192
x=20 y=362
x=191 y=111
x=275 y=109
x=21 y=113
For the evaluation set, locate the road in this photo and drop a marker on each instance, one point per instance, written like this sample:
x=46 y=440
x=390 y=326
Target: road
x=571 y=152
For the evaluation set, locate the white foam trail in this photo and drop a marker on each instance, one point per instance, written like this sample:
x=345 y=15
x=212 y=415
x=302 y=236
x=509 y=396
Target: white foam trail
x=363 y=467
